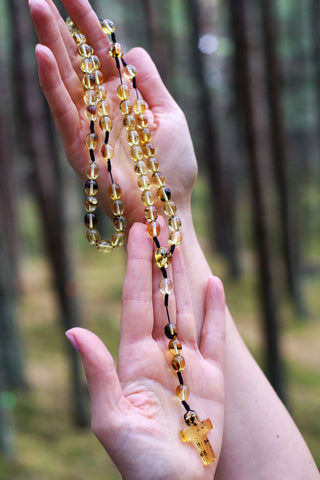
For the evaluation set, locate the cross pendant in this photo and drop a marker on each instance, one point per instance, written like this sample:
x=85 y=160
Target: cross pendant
x=197 y=433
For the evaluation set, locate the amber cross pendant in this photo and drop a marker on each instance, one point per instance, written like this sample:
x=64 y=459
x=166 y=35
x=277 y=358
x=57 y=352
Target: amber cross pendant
x=197 y=433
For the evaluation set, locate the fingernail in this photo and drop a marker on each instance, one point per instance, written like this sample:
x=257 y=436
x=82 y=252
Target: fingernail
x=72 y=340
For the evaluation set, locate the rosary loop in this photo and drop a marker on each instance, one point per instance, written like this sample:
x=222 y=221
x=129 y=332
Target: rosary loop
x=151 y=184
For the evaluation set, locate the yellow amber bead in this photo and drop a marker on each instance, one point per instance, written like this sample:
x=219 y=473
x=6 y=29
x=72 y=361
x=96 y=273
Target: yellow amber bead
x=170 y=209
x=90 y=204
x=93 y=237
x=79 y=38
x=164 y=194
x=171 y=331
x=125 y=107
x=133 y=137
x=144 y=182
x=153 y=229
x=123 y=91
x=165 y=286
x=130 y=72
x=114 y=191
x=87 y=65
x=182 y=392
x=98 y=77
x=163 y=257
x=158 y=179
x=141 y=120
x=118 y=239
x=178 y=363
x=136 y=153
x=91 y=113
x=175 y=347
x=145 y=135
x=140 y=167
x=107 y=26
x=92 y=171
x=115 y=50
x=89 y=81
x=91 y=141
x=104 y=246
x=174 y=223
x=175 y=238
x=129 y=122
x=119 y=223
x=96 y=62
x=139 y=106
x=107 y=151
x=91 y=188
x=103 y=109
x=85 y=50
x=147 y=198
x=148 y=150
x=151 y=213
x=90 y=97
x=105 y=124
x=90 y=220
x=152 y=164
x=117 y=208
x=101 y=93
x=70 y=24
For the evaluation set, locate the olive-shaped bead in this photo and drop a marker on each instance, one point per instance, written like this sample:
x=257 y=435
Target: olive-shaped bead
x=119 y=223
x=90 y=204
x=93 y=237
x=89 y=81
x=118 y=239
x=123 y=91
x=164 y=194
x=105 y=124
x=103 y=109
x=151 y=213
x=91 y=113
x=107 y=151
x=139 y=106
x=147 y=198
x=182 y=392
x=117 y=208
x=165 y=286
x=153 y=229
x=90 y=97
x=178 y=363
x=92 y=171
x=90 y=220
x=114 y=191
x=91 y=187
x=175 y=238
x=175 y=347
x=170 y=209
x=170 y=331
x=174 y=223
x=104 y=246
x=91 y=141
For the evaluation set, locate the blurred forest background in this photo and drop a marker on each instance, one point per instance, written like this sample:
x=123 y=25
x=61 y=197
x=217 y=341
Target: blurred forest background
x=247 y=75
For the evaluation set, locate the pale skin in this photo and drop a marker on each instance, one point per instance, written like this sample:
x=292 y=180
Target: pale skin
x=256 y=422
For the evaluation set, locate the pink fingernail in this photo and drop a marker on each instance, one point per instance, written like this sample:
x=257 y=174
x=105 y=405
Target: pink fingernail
x=72 y=340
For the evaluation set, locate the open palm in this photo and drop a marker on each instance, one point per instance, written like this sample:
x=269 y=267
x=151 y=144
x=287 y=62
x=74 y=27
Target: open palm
x=135 y=413
x=60 y=78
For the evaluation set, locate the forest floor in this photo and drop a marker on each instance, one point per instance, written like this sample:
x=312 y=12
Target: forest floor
x=48 y=446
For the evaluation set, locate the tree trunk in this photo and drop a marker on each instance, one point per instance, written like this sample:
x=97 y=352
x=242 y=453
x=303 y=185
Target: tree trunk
x=250 y=99
x=48 y=187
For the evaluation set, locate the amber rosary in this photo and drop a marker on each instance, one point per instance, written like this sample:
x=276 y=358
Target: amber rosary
x=146 y=167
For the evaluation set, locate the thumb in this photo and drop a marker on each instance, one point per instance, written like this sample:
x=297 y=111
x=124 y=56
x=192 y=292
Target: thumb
x=104 y=387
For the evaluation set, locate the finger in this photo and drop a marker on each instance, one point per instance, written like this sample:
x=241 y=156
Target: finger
x=98 y=364
x=212 y=340
x=137 y=311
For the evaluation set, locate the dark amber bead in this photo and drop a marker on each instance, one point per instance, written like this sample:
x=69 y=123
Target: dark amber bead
x=133 y=137
x=103 y=109
x=105 y=124
x=91 y=141
x=164 y=194
x=115 y=50
x=170 y=209
x=91 y=187
x=152 y=164
x=178 y=363
x=170 y=331
x=89 y=81
x=175 y=347
x=90 y=97
x=90 y=220
x=126 y=107
x=151 y=213
x=90 y=204
x=145 y=135
x=123 y=91
x=182 y=392
x=158 y=179
x=118 y=239
x=165 y=286
x=91 y=113
x=114 y=191
x=143 y=182
x=87 y=65
x=142 y=120
x=129 y=122
x=140 y=167
x=163 y=257
x=175 y=238
x=107 y=26
x=139 y=106
x=117 y=208
x=93 y=237
x=191 y=418
x=92 y=171
x=174 y=223
x=153 y=229
x=85 y=50
x=119 y=223
x=107 y=151
x=147 y=198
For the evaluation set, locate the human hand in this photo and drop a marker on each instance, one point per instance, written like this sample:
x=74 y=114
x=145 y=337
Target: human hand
x=60 y=78
x=135 y=413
